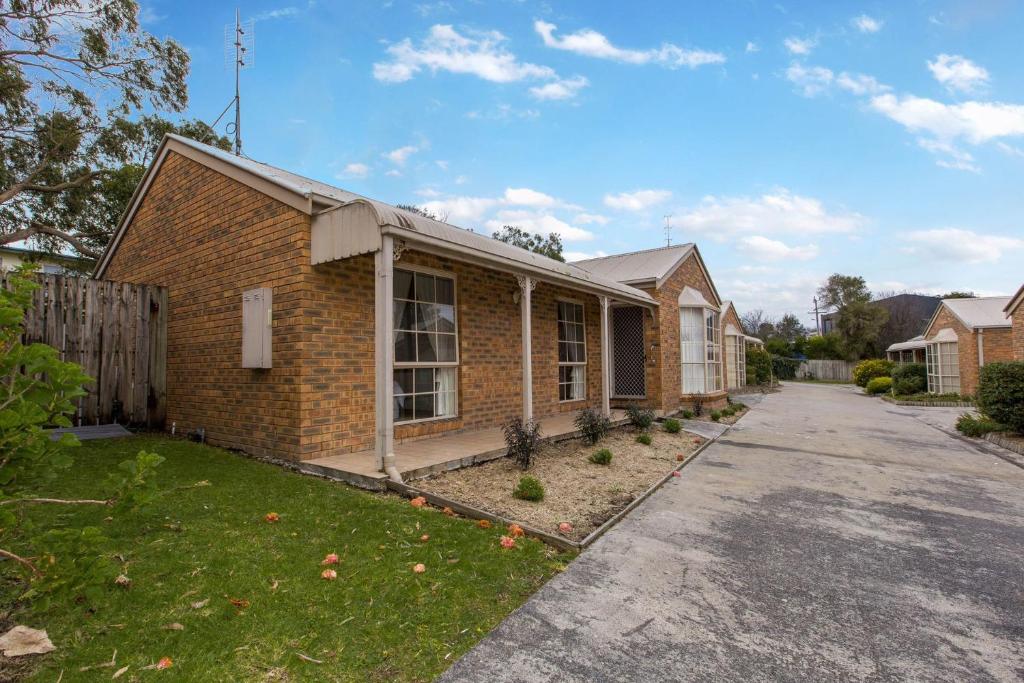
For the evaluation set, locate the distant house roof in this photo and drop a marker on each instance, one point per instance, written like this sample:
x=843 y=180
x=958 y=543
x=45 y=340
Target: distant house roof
x=917 y=342
x=646 y=268
x=39 y=255
x=979 y=312
x=312 y=196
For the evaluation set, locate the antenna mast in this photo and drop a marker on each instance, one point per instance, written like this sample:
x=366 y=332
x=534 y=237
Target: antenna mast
x=239 y=41
x=668 y=230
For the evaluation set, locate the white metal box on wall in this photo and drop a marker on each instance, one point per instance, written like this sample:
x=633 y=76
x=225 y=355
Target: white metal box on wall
x=257 y=327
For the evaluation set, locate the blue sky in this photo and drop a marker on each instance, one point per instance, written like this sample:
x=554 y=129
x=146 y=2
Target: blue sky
x=789 y=140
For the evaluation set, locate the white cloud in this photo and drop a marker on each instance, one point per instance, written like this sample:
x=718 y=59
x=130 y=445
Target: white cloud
x=481 y=54
x=950 y=156
x=800 y=46
x=572 y=256
x=811 y=80
x=401 y=155
x=752 y=47
x=442 y=164
x=564 y=89
x=356 y=170
x=958 y=73
x=461 y=180
x=539 y=222
x=394 y=173
x=959 y=246
x=588 y=218
x=590 y=43
x=1011 y=150
x=764 y=249
x=860 y=84
x=524 y=196
x=866 y=24
x=465 y=209
x=777 y=212
x=503 y=112
x=975 y=122
x=279 y=13
x=636 y=201
x=428 y=192
x=148 y=15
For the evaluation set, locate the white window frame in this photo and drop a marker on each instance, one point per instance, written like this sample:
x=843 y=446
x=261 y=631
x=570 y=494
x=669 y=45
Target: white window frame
x=943 y=375
x=581 y=365
x=431 y=365
x=737 y=358
x=710 y=349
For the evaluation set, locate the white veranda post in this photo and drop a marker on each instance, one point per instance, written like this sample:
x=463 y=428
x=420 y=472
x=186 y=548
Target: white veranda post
x=526 y=286
x=606 y=387
x=384 y=354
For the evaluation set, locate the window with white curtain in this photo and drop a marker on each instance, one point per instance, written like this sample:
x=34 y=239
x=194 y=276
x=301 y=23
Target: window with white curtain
x=736 y=361
x=700 y=342
x=943 y=362
x=713 y=345
x=572 y=352
x=426 y=346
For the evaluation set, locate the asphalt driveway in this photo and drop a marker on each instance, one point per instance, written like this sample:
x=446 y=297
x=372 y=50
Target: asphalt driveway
x=827 y=536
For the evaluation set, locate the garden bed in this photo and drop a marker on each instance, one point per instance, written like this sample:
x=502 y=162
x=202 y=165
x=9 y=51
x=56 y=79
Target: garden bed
x=577 y=491
x=1008 y=440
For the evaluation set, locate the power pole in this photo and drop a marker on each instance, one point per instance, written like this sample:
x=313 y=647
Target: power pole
x=817 y=319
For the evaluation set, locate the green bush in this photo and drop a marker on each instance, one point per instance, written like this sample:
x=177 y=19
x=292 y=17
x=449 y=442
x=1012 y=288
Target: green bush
x=529 y=488
x=601 y=457
x=908 y=379
x=867 y=370
x=878 y=385
x=522 y=441
x=641 y=418
x=759 y=366
x=784 y=368
x=1001 y=393
x=687 y=414
x=672 y=426
x=592 y=425
x=969 y=425
x=644 y=438
x=716 y=415
x=825 y=347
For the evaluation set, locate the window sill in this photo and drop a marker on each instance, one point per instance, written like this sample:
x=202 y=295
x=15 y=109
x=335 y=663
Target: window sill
x=425 y=420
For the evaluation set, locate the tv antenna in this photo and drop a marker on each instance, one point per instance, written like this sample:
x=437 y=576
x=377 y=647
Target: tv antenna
x=668 y=230
x=239 y=53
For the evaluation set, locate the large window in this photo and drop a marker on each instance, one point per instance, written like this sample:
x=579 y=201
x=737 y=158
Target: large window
x=736 y=361
x=426 y=346
x=572 y=352
x=943 y=362
x=700 y=350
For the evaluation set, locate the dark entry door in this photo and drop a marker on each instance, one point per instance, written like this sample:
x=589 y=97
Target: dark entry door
x=628 y=357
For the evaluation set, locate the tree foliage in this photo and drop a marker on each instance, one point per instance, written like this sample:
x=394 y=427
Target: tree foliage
x=858 y=322
x=72 y=75
x=550 y=246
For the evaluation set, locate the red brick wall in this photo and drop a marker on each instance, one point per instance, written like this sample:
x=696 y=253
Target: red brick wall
x=1018 y=333
x=997 y=345
x=208 y=238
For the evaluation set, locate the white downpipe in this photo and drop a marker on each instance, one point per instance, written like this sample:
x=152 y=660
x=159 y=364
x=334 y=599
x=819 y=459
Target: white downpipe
x=606 y=404
x=981 y=348
x=526 y=285
x=384 y=356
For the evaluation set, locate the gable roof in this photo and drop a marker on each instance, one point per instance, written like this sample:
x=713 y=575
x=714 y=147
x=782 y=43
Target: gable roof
x=649 y=267
x=976 y=313
x=1015 y=301
x=312 y=197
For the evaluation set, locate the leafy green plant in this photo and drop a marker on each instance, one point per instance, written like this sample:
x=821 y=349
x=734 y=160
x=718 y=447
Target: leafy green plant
x=716 y=415
x=759 y=367
x=37 y=392
x=878 y=385
x=1001 y=393
x=522 y=441
x=909 y=378
x=867 y=370
x=969 y=425
x=671 y=426
x=644 y=438
x=641 y=418
x=601 y=457
x=784 y=368
x=687 y=414
x=592 y=425
x=529 y=488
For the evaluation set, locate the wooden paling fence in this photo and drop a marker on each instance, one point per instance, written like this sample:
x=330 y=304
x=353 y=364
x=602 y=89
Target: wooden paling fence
x=117 y=332
x=839 y=370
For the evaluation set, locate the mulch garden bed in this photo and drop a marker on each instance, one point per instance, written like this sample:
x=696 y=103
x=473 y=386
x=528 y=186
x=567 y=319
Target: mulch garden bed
x=576 y=491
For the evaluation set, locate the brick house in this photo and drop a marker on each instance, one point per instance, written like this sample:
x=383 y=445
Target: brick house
x=685 y=364
x=309 y=323
x=1015 y=311
x=961 y=337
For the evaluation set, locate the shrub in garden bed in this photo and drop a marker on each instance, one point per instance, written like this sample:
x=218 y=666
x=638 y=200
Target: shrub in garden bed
x=529 y=488
x=671 y=426
x=878 y=385
x=1001 y=393
x=601 y=457
x=641 y=418
x=867 y=370
x=687 y=414
x=969 y=425
x=911 y=378
x=592 y=425
x=522 y=441
x=716 y=415
x=644 y=438
x=785 y=368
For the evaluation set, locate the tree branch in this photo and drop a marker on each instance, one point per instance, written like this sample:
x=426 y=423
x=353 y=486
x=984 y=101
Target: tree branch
x=37 y=228
x=66 y=185
x=60 y=501
x=17 y=558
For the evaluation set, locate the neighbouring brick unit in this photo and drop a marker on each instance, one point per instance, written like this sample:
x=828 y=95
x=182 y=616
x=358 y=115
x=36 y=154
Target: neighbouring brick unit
x=997 y=345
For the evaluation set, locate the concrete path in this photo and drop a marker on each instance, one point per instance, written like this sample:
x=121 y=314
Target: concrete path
x=827 y=536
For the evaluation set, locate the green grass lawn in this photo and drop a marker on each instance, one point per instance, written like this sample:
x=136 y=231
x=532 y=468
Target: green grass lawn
x=198 y=547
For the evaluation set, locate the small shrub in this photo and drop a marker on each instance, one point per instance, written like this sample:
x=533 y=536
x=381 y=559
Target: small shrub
x=759 y=367
x=522 y=441
x=878 y=385
x=969 y=425
x=1001 y=393
x=644 y=438
x=592 y=425
x=784 y=368
x=529 y=488
x=641 y=418
x=739 y=406
x=601 y=457
x=672 y=426
x=716 y=415
x=698 y=405
x=729 y=411
x=687 y=414
x=911 y=378
x=867 y=370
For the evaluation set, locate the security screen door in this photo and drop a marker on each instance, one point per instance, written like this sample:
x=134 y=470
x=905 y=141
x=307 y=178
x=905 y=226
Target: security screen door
x=628 y=357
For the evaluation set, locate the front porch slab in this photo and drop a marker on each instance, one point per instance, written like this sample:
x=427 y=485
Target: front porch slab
x=421 y=458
